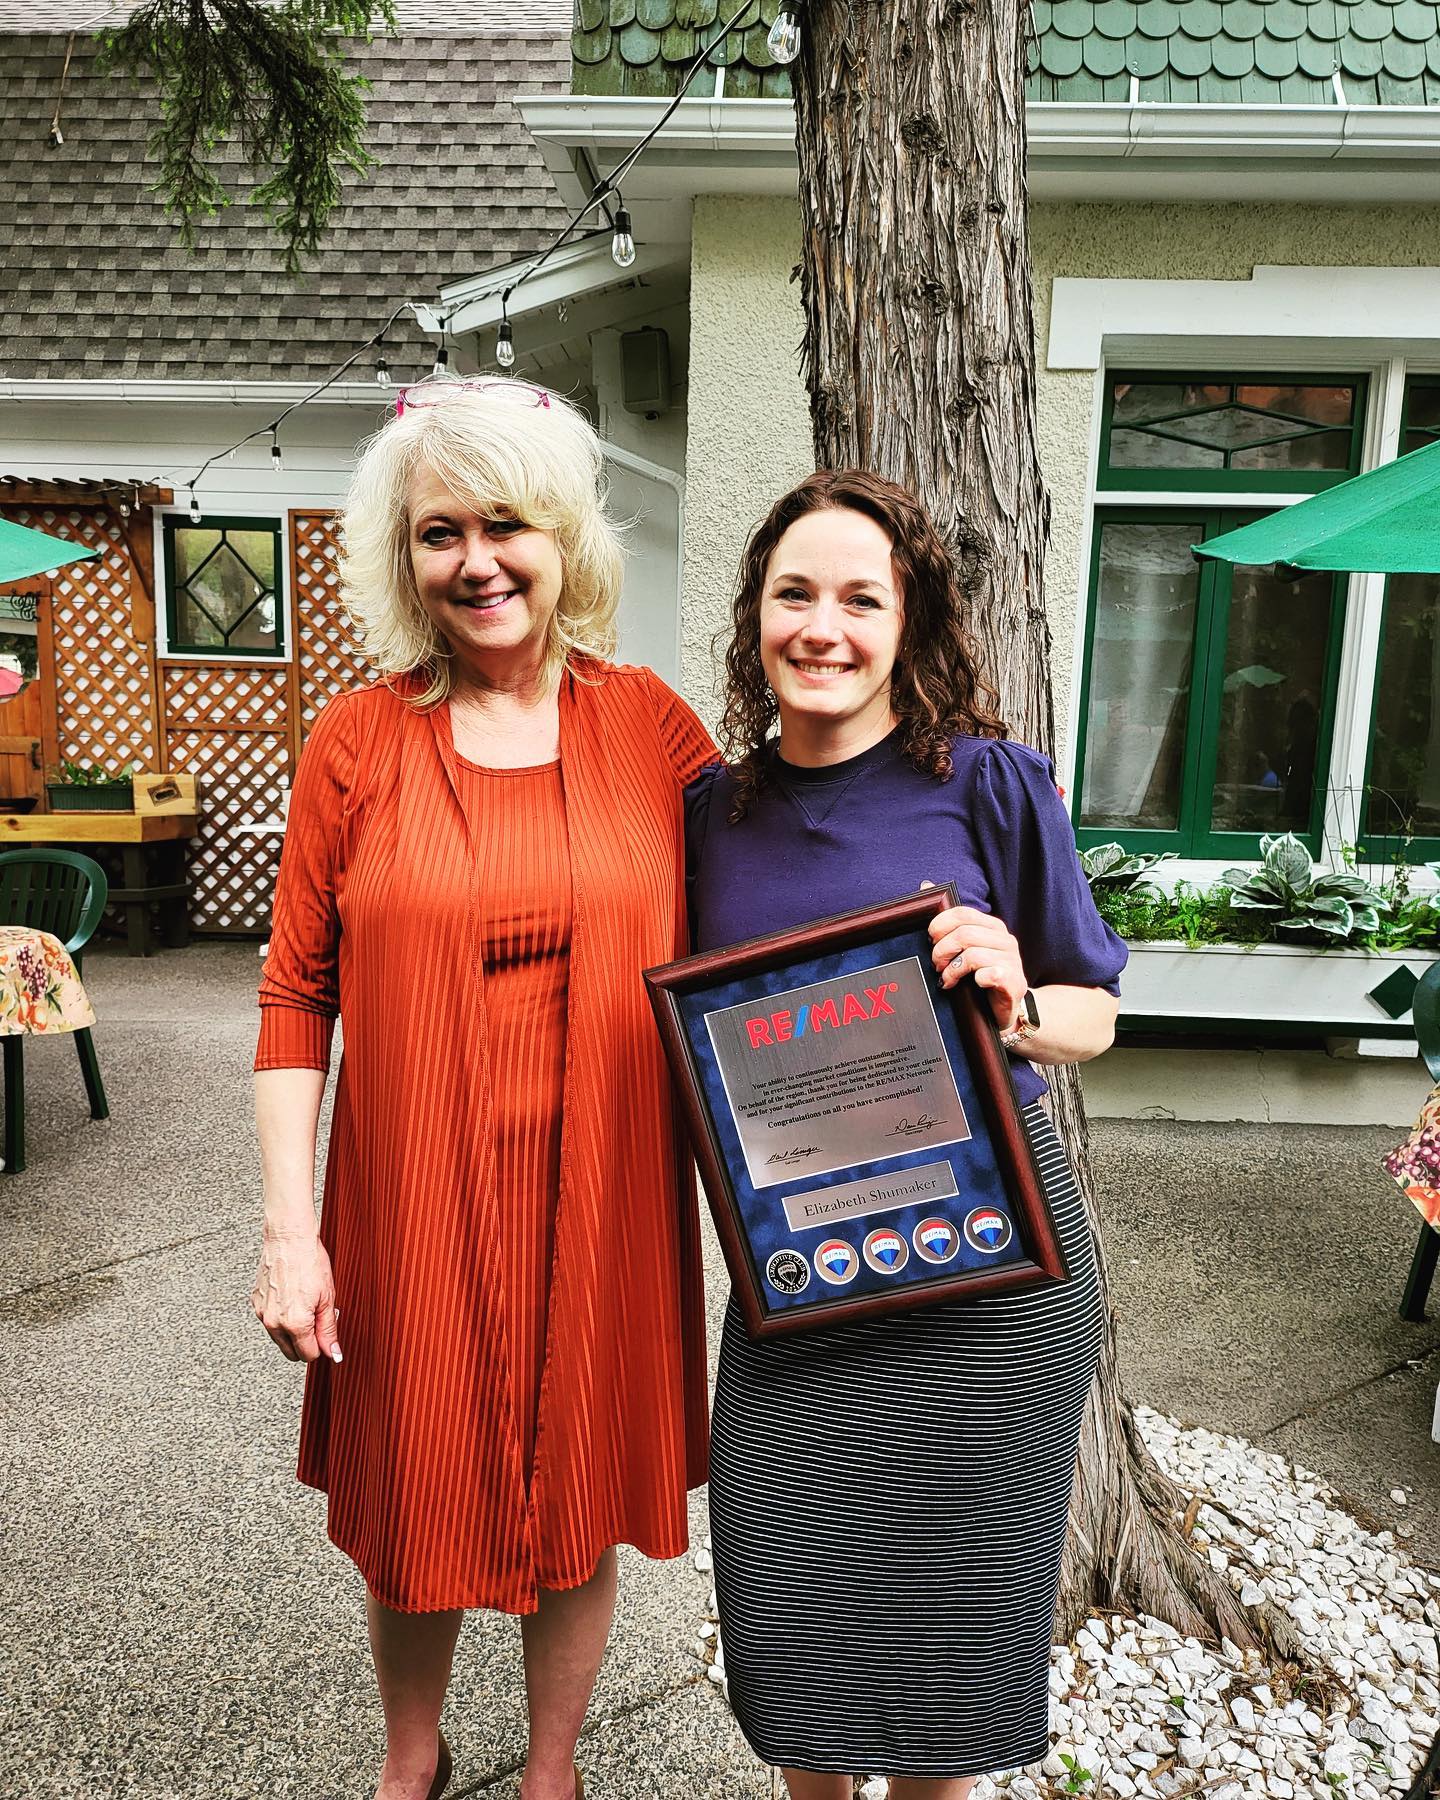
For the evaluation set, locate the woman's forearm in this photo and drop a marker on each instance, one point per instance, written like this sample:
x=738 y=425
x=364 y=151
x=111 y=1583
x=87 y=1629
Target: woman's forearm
x=1076 y=1023
x=287 y=1121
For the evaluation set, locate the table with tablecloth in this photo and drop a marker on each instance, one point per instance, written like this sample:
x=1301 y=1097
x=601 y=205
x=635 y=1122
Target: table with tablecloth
x=41 y=993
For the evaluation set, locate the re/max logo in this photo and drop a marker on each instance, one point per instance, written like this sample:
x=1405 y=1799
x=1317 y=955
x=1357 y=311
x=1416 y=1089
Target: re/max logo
x=825 y=1015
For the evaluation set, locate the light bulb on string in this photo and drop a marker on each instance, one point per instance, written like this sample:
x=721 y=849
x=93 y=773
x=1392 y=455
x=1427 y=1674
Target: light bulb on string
x=783 y=40
x=277 y=461
x=442 y=363
x=194 y=508
x=505 y=345
x=622 y=245
x=383 y=377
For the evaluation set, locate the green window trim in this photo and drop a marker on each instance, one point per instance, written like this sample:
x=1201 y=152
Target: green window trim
x=1192 y=836
x=176 y=643
x=1117 y=478
x=1371 y=846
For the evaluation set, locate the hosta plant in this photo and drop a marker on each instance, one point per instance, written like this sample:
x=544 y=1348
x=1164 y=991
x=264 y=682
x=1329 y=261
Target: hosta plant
x=1114 y=867
x=1297 y=899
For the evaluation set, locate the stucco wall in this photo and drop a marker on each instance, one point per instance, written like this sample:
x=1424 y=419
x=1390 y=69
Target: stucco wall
x=1176 y=243
x=749 y=425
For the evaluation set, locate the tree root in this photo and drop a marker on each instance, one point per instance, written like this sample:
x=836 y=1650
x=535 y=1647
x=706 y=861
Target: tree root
x=1130 y=1547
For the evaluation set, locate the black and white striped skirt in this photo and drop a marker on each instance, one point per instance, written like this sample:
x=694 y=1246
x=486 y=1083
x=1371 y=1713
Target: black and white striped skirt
x=888 y=1505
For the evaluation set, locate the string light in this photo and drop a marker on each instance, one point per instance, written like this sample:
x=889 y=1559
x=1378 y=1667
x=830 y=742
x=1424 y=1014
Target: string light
x=622 y=245
x=784 y=44
x=783 y=41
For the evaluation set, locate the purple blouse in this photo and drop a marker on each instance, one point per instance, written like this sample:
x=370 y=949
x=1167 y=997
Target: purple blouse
x=819 y=841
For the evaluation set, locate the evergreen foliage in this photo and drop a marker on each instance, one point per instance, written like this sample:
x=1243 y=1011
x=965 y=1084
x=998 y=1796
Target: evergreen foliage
x=270 y=78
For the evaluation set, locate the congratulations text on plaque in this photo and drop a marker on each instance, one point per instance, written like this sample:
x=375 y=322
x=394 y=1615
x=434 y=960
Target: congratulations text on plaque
x=837 y=1073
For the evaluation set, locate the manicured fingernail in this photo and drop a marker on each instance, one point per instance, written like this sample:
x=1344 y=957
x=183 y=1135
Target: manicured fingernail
x=335 y=1353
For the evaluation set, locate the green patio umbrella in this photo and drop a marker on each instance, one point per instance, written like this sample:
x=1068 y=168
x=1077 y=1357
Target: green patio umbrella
x=1385 y=522
x=24 y=552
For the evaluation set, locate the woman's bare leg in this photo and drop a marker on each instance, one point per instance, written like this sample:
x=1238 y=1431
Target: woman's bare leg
x=906 y=1787
x=413 y=1653
x=804 y=1784
x=564 y=1641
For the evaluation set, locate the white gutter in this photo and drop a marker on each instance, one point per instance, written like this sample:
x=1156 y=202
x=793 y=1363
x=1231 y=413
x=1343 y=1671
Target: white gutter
x=721 y=145
x=1148 y=128
x=234 y=393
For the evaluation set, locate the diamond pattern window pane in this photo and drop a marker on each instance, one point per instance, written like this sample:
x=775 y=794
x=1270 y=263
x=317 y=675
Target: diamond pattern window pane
x=223 y=587
x=1241 y=426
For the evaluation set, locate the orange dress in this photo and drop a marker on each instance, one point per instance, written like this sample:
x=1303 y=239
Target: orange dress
x=517 y=819
x=519 y=1282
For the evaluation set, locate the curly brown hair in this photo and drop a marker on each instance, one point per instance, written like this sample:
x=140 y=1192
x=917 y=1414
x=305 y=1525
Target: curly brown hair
x=936 y=690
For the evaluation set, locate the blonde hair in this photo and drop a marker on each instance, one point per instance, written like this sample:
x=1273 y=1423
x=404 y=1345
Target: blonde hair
x=505 y=455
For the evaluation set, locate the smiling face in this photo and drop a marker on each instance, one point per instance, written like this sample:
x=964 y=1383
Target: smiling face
x=489 y=585
x=831 y=614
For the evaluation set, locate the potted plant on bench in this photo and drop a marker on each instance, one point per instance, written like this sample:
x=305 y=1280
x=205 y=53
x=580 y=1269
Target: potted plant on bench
x=80 y=787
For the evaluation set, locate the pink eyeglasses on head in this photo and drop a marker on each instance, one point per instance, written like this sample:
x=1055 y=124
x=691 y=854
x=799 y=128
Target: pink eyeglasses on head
x=432 y=393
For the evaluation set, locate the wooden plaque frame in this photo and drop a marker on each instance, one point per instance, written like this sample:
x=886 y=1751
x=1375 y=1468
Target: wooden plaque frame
x=1041 y=1258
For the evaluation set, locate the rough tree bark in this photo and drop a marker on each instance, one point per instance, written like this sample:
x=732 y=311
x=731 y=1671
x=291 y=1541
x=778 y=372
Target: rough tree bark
x=919 y=354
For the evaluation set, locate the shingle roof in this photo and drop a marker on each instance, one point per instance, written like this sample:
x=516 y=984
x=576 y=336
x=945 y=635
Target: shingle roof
x=95 y=285
x=1387 y=52
x=1272 y=52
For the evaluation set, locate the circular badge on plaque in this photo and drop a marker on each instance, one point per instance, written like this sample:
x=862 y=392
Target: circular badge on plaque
x=788 y=1272
x=988 y=1230
x=886 y=1251
x=837 y=1262
x=936 y=1240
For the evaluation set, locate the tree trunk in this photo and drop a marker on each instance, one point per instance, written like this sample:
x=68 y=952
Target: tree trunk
x=919 y=353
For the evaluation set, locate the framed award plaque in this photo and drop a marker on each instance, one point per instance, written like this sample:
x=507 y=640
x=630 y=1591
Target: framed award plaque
x=855 y=1124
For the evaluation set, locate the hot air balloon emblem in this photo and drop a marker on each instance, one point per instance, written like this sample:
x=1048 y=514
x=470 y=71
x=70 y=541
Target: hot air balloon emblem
x=936 y=1240
x=988 y=1230
x=886 y=1251
x=837 y=1261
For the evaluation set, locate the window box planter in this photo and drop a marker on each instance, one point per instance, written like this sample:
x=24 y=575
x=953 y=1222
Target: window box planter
x=95 y=796
x=1167 y=985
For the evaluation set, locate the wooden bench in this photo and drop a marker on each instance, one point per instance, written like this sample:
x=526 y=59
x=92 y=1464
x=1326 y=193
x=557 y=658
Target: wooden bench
x=152 y=857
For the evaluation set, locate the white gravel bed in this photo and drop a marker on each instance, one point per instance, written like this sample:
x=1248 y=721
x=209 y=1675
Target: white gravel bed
x=1139 y=1710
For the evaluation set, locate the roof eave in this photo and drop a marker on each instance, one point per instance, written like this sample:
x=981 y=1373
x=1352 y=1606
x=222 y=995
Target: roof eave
x=1095 y=150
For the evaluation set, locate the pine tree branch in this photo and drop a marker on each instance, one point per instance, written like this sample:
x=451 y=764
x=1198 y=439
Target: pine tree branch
x=269 y=78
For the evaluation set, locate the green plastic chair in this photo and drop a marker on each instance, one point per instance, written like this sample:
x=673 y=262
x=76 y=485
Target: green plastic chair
x=64 y=893
x=1425 y=1011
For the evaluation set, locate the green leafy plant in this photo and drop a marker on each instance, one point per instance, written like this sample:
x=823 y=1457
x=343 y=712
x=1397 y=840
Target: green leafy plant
x=1077 y=1776
x=1113 y=866
x=1414 y=924
x=78 y=774
x=1297 y=901
x=269 y=77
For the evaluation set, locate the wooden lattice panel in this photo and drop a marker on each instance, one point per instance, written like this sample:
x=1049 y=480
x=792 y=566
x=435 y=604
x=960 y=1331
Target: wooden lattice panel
x=232 y=876
x=328 y=659
x=104 y=679
x=224 y=696
x=229 y=724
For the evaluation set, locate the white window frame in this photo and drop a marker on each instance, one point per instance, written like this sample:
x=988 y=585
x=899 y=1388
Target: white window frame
x=279 y=521
x=1381 y=323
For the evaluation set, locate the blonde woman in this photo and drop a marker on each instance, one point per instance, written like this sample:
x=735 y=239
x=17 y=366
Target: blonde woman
x=501 y=1309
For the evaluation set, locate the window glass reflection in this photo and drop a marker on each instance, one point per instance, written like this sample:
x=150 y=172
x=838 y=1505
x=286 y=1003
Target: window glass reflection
x=1140 y=675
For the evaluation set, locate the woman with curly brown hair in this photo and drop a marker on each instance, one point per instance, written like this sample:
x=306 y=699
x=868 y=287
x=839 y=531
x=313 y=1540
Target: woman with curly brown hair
x=888 y=1498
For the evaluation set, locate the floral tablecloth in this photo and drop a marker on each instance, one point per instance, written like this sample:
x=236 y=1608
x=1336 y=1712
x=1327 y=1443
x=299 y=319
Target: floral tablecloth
x=40 y=991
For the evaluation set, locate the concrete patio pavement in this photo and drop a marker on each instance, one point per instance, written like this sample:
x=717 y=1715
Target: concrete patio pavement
x=175 y=1622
